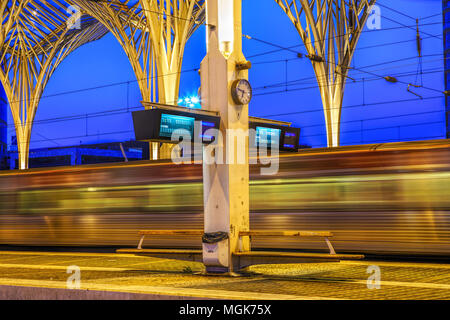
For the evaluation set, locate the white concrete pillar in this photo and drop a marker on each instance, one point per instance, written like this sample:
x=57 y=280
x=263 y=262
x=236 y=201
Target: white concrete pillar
x=226 y=186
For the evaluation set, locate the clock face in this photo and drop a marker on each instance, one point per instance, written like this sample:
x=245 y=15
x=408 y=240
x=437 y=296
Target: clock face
x=241 y=92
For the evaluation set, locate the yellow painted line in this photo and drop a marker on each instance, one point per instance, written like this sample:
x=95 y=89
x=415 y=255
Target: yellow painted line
x=59 y=267
x=112 y=269
x=49 y=267
x=397 y=264
x=15 y=259
x=80 y=254
x=183 y=292
x=408 y=284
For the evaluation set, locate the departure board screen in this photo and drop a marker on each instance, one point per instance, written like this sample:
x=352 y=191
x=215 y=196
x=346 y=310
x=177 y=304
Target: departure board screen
x=290 y=140
x=170 y=123
x=266 y=135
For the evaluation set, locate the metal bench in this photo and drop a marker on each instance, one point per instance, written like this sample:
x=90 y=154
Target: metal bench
x=144 y=233
x=242 y=259
x=182 y=254
x=291 y=233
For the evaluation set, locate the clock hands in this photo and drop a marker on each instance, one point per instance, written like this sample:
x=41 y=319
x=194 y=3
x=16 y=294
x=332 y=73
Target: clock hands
x=242 y=92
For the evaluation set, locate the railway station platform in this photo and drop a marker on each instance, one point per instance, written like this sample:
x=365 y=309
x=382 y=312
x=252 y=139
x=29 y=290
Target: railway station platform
x=45 y=275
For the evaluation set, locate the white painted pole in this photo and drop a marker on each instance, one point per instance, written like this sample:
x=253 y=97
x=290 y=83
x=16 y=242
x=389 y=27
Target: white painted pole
x=226 y=186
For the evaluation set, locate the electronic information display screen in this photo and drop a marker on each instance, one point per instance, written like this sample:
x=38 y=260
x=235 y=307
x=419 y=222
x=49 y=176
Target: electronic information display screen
x=266 y=135
x=170 y=123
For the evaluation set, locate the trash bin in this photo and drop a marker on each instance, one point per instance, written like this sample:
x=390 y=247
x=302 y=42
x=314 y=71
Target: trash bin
x=215 y=249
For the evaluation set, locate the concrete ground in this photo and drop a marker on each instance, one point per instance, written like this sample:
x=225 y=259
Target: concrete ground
x=45 y=275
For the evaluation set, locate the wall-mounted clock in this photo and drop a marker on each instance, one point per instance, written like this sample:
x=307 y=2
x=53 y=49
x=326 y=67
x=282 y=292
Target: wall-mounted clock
x=241 y=91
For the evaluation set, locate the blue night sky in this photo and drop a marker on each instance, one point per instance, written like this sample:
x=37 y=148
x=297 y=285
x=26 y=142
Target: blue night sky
x=103 y=62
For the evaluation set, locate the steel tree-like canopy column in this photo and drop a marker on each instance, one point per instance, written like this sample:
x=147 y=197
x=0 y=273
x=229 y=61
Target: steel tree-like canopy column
x=330 y=30
x=37 y=37
x=127 y=22
x=170 y=24
x=226 y=186
x=153 y=35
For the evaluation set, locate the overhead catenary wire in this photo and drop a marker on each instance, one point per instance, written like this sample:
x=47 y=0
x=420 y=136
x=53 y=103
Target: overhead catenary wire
x=379 y=69
x=183 y=71
x=354 y=68
x=380 y=118
x=384 y=29
x=154 y=77
x=378 y=64
x=431 y=16
x=406 y=15
x=119 y=4
x=104 y=86
x=384 y=44
x=352 y=106
x=321 y=59
x=310 y=88
x=290 y=48
x=395 y=10
x=126 y=110
x=296 y=89
x=313 y=80
x=99 y=87
x=304 y=127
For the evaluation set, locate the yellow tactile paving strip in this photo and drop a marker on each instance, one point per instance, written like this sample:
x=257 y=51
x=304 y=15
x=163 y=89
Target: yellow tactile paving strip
x=128 y=273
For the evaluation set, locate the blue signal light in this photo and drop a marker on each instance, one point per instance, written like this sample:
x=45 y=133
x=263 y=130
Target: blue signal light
x=290 y=134
x=208 y=124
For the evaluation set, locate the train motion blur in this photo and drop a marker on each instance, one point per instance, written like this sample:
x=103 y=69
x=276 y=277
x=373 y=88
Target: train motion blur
x=381 y=199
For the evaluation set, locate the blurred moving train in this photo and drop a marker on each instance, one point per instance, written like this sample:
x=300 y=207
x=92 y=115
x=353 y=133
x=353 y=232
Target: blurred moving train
x=384 y=199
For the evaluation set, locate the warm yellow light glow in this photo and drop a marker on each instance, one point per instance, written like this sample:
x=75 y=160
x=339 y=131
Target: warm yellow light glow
x=226 y=26
x=155 y=149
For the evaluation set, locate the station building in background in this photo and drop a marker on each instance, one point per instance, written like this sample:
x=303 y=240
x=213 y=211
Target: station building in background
x=82 y=154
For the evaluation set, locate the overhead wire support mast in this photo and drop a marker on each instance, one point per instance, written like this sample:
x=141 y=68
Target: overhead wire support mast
x=419 y=53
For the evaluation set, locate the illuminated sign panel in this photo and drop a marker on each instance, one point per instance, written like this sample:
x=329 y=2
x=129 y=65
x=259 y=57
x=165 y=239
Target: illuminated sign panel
x=170 y=123
x=265 y=135
x=287 y=137
x=160 y=124
x=290 y=140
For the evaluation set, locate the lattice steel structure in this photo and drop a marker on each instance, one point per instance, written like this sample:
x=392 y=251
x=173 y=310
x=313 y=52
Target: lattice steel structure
x=153 y=34
x=126 y=21
x=35 y=37
x=171 y=23
x=330 y=30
